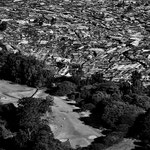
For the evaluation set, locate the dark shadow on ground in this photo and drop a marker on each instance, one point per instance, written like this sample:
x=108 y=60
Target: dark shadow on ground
x=71 y=104
x=139 y=145
x=98 y=140
x=91 y=121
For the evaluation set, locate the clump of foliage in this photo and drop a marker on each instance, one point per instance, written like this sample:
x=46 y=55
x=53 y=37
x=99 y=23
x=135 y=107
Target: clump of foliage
x=99 y=96
x=127 y=98
x=142 y=101
x=145 y=127
x=137 y=85
x=108 y=87
x=120 y=113
x=65 y=87
x=125 y=87
x=24 y=70
x=113 y=138
x=88 y=106
x=97 y=78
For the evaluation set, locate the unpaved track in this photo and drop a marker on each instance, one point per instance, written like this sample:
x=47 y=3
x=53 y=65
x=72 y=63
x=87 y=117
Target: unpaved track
x=70 y=127
x=126 y=144
x=10 y=92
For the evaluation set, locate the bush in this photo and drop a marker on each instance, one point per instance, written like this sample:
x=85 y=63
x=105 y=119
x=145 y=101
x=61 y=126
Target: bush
x=145 y=127
x=88 y=106
x=127 y=98
x=99 y=96
x=117 y=110
x=116 y=97
x=86 y=92
x=137 y=85
x=24 y=70
x=65 y=88
x=71 y=96
x=113 y=138
x=124 y=128
x=125 y=87
x=97 y=77
x=108 y=87
x=141 y=101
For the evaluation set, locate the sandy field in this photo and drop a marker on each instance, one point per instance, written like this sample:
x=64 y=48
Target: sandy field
x=70 y=127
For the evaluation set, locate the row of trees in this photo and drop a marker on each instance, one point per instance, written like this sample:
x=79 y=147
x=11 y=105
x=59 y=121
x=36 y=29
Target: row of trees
x=24 y=70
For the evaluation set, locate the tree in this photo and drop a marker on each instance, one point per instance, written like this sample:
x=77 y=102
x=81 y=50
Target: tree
x=99 y=96
x=113 y=138
x=108 y=87
x=125 y=87
x=137 y=85
x=120 y=113
x=142 y=101
x=65 y=88
x=88 y=106
x=145 y=127
x=22 y=139
x=29 y=113
x=97 y=77
x=25 y=70
x=127 y=98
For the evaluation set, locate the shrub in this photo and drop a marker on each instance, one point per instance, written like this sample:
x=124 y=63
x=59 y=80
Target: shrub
x=123 y=128
x=125 y=87
x=65 y=88
x=97 y=77
x=71 y=96
x=127 y=98
x=145 y=127
x=99 y=96
x=116 y=97
x=117 y=110
x=137 y=85
x=88 y=106
x=113 y=138
x=108 y=87
x=142 y=101
x=25 y=70
x=148 y=90
x=86 y=91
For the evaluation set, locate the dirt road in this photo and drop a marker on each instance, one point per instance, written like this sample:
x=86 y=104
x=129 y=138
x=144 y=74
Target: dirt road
x=70 y=127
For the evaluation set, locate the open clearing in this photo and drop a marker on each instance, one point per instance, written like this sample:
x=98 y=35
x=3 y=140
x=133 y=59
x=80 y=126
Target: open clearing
x=70 y=127
x=65 y=124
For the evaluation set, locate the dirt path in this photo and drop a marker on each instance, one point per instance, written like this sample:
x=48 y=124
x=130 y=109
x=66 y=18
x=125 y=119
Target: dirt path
x=10 y=92
x=70 y=127
x=126 y=144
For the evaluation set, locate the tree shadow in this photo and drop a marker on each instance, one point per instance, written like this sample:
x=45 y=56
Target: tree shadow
x=92 y=120
x=139 y=145
x=98 y=140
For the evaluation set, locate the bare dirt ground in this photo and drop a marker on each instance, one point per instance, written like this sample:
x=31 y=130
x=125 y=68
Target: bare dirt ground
x=10 y=92
x=70 y=127
x=126 y=144
x=64 y=123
